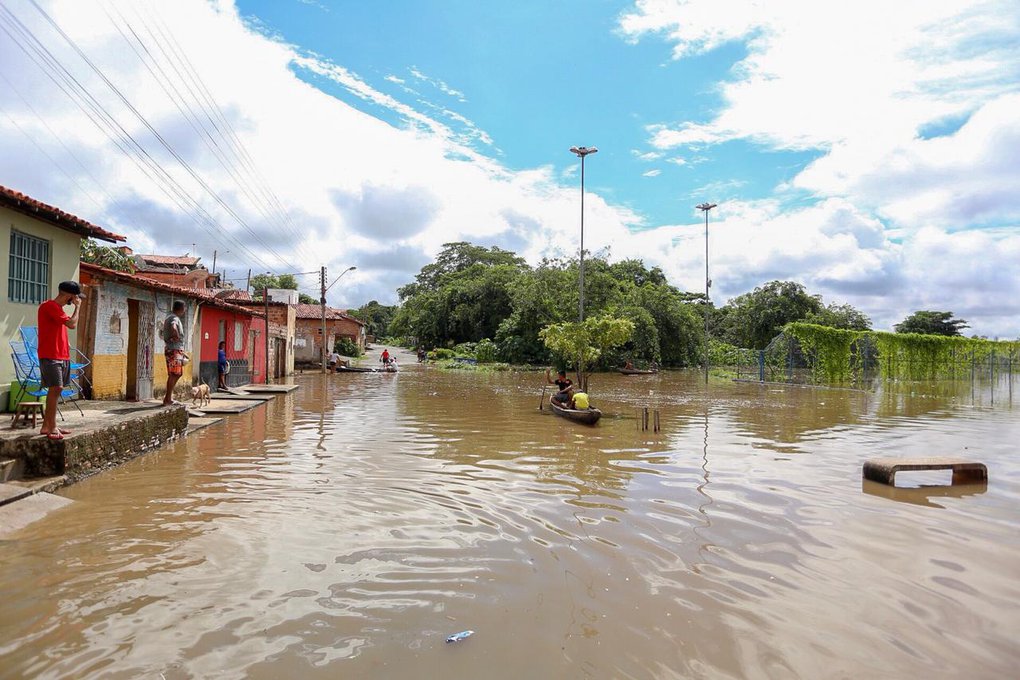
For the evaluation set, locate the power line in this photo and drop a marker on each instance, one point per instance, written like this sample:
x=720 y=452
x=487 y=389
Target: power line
x=232 y=140
x=180 y=101
x=180 y=159
x=109 y=126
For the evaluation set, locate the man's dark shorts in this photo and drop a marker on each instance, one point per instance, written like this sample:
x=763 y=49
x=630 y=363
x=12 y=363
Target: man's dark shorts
x=54 y=372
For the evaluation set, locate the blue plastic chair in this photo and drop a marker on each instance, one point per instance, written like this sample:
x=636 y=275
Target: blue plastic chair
x=30 y=336
x=26 y=372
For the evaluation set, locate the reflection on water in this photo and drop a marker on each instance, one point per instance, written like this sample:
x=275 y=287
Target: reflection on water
x=346 y=529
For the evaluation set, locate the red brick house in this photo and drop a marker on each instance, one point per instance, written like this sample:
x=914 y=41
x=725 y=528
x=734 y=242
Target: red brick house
x=308 y=338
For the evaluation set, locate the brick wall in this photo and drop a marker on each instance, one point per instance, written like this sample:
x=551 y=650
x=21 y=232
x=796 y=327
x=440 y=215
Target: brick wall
x=87 y=453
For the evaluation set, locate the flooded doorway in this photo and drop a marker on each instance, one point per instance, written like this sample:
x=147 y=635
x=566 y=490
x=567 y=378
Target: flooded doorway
x=141 y=332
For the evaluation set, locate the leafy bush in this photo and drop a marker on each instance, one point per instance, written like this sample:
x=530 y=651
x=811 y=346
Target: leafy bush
x=485 y=351
x=725 y=354
x=441 y=353
x=465 y=349
x=347 y=347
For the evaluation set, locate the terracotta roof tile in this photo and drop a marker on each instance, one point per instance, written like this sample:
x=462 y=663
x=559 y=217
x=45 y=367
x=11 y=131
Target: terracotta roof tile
x=206 y=295
x=305 y=311
x=181 y=260
x=27 y=205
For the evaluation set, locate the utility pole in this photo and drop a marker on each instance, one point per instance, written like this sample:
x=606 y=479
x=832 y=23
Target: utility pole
x=322 y=303
x=214 y=262
x=247 y=286
x=265 y=298
x=705 y=207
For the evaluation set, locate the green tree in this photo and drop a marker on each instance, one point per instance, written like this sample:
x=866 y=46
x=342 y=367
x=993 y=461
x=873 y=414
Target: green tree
x=751 y=320
x=840 y=316
x=463 y=296
x=585 y=342
x=105 y=256
x=931 y=323
x=377 y=317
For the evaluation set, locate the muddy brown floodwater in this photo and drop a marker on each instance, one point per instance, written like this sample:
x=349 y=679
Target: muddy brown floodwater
x=345 y=530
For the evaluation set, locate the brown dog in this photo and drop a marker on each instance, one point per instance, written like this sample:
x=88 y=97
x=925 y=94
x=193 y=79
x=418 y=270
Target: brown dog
x=200 y=394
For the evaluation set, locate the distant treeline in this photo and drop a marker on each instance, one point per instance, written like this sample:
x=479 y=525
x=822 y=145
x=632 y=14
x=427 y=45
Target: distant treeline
x=471 y=293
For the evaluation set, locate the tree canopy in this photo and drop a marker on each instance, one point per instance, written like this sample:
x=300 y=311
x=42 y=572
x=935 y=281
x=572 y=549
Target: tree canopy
x=105 y=256
x=471 y=292
x=753 y=319
x=377 y=317
x=931 y=323
x=260 y=282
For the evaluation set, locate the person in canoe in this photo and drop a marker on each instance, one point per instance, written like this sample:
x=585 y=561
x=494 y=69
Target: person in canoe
x=563 y=388
x=629 y=365
x=579 y=401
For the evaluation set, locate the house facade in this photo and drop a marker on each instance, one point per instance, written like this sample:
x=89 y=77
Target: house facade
x=44 y=248
x=282 y=333
x=123 y=314
x=177 y=270
x=243 y=330
x=308 y=340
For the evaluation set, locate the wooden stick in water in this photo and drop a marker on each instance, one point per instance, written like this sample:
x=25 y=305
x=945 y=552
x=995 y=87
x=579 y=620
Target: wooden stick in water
x=541 y=402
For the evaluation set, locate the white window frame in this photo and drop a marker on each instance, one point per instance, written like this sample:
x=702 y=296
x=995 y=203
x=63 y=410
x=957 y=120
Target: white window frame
x=28 y=273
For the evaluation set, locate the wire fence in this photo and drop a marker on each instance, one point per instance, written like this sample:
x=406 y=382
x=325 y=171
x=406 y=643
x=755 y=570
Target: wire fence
x=786 y=360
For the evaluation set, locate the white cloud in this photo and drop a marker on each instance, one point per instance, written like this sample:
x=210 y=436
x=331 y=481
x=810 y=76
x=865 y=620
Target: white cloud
x=358 y=190
x=861 y=82
x=646 y=156
x=652 y=173
x=820 y=73
x=438 y=84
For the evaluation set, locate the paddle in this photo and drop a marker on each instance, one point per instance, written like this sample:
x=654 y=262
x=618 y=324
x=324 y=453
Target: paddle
x=541 y=402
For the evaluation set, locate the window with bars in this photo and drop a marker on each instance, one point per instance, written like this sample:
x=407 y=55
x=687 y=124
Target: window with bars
x=28 y=279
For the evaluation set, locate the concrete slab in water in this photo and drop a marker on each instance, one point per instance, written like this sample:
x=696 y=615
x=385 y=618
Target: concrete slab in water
x=883 y=470
x=15 y=516
x=231 y=405
x=239 y=396
x=273 y=389
x=195 y=424
x=12 y=492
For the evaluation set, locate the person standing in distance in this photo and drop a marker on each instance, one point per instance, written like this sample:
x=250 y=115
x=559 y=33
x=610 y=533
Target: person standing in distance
x=173 y=338
x=55 y=351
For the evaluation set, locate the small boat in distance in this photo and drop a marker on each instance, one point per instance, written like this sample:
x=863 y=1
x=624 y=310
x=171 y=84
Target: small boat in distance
x=355 y=369
x=588 y=416
x=637 y=371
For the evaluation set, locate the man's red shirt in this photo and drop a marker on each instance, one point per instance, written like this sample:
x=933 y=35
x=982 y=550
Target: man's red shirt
x=52 y=332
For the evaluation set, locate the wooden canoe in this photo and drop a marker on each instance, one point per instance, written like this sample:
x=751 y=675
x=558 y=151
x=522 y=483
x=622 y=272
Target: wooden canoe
x=636 y=371
x=588 y=416
x=355 y=369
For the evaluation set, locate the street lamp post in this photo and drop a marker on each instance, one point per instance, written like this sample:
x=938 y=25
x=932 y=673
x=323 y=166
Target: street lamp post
x=322 y=301
x=581 y=152
x=705 y=207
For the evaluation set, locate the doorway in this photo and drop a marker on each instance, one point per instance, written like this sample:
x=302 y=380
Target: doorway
x=141 y=339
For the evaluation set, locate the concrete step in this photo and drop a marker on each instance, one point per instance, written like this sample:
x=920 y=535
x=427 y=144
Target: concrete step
x=12 y=492
x=41 y=484
x=11 y=468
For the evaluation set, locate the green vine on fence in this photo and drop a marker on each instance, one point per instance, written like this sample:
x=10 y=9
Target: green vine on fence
x=835 y=355
x=829 y=350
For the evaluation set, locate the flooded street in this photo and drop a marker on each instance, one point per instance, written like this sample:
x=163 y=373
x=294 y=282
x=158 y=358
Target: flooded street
x=346 y=529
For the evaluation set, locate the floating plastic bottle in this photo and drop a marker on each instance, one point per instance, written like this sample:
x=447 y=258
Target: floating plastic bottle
x=463 y=635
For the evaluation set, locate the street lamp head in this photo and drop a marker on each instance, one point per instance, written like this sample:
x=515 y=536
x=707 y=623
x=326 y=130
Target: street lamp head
x=706 y=206
x=583 y=151
x=351 y=268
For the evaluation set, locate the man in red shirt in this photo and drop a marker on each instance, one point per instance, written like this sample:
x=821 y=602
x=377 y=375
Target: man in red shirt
x=55 y=351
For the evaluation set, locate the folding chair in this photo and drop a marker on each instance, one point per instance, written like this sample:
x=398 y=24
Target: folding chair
x=30 y=336
x=26 y=372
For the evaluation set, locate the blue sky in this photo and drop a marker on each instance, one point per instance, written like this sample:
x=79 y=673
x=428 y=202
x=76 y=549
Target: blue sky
x=868 y=150
x=540 y=77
